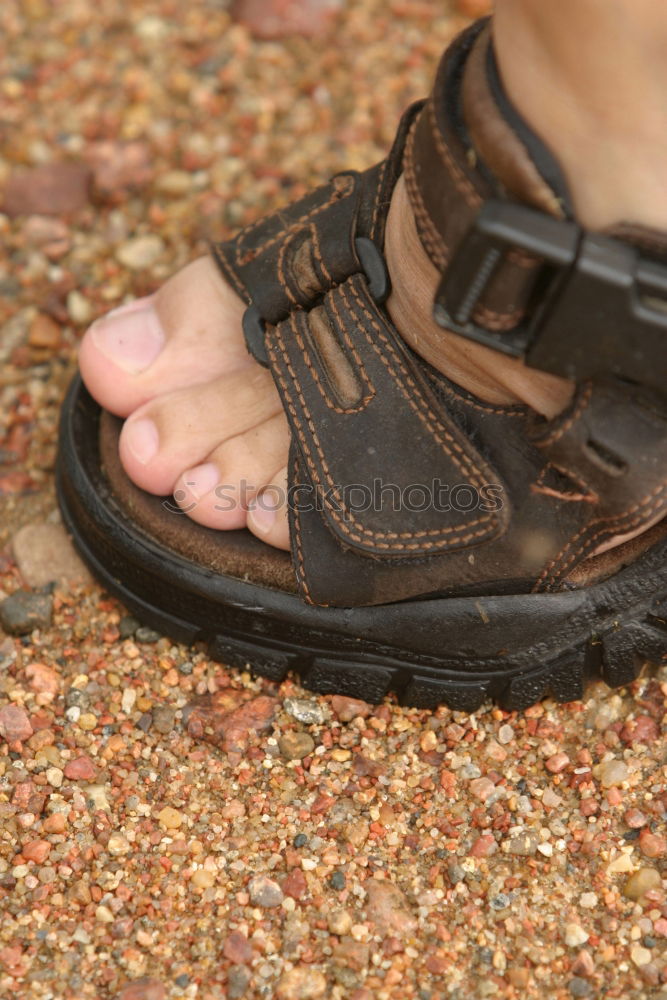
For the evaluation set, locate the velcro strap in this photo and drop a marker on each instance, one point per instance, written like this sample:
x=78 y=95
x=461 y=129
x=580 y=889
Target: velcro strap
x=278 y=264
x=380 y=453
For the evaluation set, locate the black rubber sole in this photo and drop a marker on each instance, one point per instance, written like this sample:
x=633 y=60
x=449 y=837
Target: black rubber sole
x=459 y=651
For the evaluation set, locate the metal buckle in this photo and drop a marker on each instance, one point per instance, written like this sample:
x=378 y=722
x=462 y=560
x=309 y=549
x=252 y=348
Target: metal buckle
x=598 y=306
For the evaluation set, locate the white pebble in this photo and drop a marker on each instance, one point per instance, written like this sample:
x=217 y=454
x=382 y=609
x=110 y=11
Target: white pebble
x=575 y=935
x=140 y=252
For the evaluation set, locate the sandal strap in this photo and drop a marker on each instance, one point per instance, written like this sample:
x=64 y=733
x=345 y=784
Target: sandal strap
x=520 y=277
x=290 y=259
x=510 y=503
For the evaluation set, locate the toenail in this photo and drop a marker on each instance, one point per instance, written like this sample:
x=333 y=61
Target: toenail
x=202 y=479
x=130 y=337
x=263 y=512
x=142 y=439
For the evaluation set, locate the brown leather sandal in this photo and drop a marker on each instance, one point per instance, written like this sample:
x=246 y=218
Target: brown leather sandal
x=495 y=584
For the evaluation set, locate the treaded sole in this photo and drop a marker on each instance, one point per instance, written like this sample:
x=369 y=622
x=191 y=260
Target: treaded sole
x=514 y=649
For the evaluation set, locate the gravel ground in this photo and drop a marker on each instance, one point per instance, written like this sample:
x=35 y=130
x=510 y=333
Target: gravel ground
x=172 y=829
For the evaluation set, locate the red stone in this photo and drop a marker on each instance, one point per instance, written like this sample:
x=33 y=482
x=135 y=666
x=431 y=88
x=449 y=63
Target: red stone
x=557 y=763
x=278 y=18
x=53 y=189
x=635 y=819
x=295 y=884
x=481 y=788
x=119 y=167
x=37 y=851
x=237 y=948
x=80 y=769
x=347 y=709
x=388 y=907
x=652 y=845
x=448 y=782
x=484 y=846
x=14 y=723
x=226 y=720
x=353 y=954
x=42 y=678
x=322 y=804
x=437 y=964
x=365 y=767
x=642 y=729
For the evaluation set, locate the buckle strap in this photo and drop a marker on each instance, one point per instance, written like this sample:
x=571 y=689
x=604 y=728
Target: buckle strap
x=373 y=267
x=599 y=307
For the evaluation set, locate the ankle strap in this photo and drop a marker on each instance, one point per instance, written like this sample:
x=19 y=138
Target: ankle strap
x=518 y=275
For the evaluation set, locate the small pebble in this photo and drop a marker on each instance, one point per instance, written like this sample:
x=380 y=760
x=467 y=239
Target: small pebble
x=14 y=723
x=578 y=987
x=25 y=611
x=583 y=964
x=238 y=978
x=305 y=710
x=505 y=734
x=557 y=763
x=170 y=818
x=301 y=983
x=140 y=252
x=127 y=627
x=613 y=773
x=575 y=935
x=640 y=883
x=118 y=844
x=296 y=745
x=265 y=892
x=147 y=635
x=347 y=709
x=523 y=844
x=237 y=948
x=163 y=718
x=640 y=955
x=203 y=878
x=79 y=308
x=339 y=922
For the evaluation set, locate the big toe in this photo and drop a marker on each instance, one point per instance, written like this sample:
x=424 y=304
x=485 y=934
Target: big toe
x=185 y=334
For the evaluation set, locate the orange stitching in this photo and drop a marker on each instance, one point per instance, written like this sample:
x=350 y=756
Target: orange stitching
x=462 y=183
x=361 y=405
x=515 y=410
x=416 y=401
x=254 y=252
x=610 y=525
x=558 y=432
x=297 y=541
x=429 y=235
x=376 y=208
x=315 y=239
x=454 y=529
x=229 y=273
x=280 y=270
x=587 y=495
